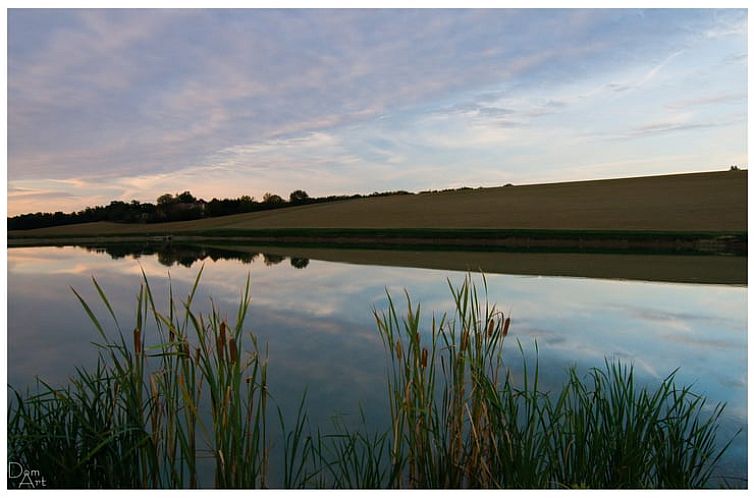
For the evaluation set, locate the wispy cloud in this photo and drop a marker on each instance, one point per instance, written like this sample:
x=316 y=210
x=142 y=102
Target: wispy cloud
x=670 y=126
x=707 y=100
x=662 y=315
x=653 y=129
x=37 y=195
x=145 y=101
x=729 y=22
x=640 y=80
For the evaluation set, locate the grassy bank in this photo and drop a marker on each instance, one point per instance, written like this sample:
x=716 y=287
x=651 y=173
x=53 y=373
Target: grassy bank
x=178 y=391
x=598 y=241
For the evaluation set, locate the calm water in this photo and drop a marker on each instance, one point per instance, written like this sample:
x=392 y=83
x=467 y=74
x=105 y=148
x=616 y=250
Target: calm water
x=316 y=317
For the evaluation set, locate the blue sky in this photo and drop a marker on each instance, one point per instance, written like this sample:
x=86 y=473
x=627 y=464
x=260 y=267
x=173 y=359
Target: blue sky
x=129 y=104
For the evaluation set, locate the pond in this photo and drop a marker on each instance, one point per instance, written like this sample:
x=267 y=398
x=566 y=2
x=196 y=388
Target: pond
x=313 y=308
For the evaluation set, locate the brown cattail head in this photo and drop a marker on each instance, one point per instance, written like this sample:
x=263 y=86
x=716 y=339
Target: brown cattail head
x=424 y=357
x=197 y=353
x=506 y=326
x=221 y=342
x=233 y=351
x=185 y=349
x=490 y=327
x=219 y=347
x=398 y=353
x=137 y=340
x=153 y=387
x=464 y=339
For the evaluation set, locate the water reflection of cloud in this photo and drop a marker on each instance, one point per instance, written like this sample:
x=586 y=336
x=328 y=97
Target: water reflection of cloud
x=550 y=336
x=58 y=260
x=703 y=343
x=738 y=382
x=336 y=361
x=46 y=344
x=321 y=332
x=659 y=315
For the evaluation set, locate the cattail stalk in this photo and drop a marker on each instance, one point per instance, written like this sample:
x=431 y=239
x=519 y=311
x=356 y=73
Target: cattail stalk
x=137 y=341
x=233 y=351
x=221 y=342
x=155 y=409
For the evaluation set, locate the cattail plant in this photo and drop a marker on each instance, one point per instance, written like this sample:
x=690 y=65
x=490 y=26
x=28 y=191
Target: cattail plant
x=157 y=423
x=459 y=420
x=189 y=386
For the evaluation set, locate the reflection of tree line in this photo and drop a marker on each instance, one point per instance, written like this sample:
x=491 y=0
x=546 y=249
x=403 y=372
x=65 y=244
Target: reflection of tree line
x=170 y=254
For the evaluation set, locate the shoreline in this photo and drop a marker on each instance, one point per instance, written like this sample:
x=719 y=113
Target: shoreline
x=599 y=241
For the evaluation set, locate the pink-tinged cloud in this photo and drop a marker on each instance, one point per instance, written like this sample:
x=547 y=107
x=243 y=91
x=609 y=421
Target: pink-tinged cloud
x=129 y=104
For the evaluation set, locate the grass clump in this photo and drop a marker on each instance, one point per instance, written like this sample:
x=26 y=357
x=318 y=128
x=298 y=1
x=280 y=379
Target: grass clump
x=189 y=408
x=146 y=415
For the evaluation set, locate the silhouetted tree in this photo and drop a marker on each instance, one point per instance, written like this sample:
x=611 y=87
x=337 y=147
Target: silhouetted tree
x=165 y=199
x=298 y=197
x=185 y=197
x=272 y=199
x=299 y=263
x=246 y=203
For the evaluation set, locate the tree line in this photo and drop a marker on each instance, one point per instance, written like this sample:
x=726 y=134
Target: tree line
x=175 y=207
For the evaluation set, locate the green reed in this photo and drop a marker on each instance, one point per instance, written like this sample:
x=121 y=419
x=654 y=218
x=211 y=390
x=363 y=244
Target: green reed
x=148 y=412
x=155 y=413
x=460 y=420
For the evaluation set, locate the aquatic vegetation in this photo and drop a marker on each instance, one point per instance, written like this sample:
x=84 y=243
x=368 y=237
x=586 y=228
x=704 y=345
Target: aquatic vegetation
x=460 y=420
x=182 y=401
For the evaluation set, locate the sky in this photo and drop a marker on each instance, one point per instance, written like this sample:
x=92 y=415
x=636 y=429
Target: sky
x=126 y=105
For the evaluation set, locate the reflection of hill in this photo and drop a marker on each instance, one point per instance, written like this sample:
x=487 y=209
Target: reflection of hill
x=169 y=254
x=650 y=267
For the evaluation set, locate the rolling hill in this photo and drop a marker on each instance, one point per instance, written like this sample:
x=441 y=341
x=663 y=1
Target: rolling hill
x=694 y=202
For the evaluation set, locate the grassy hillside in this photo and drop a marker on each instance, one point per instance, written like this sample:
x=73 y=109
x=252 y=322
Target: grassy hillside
x=711 y=202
